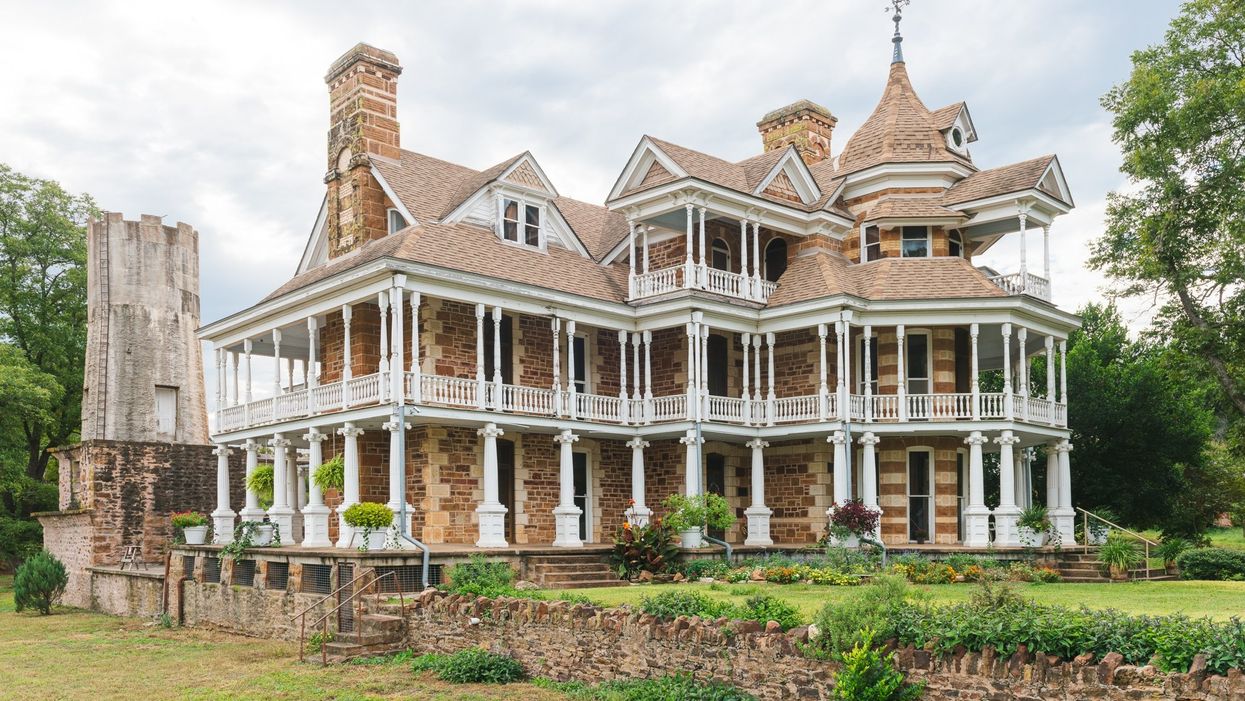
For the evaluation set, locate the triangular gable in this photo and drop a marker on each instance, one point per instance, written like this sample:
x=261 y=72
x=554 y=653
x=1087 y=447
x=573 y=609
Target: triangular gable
x=656 y=174
x=640 y=165
x=527 y=173
x=790 y=179
x=316 y=252
x=1053 y=183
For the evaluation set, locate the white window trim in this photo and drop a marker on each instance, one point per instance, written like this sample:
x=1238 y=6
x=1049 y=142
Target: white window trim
x=587 y=357
x=933 y=490
x=389 y=214
x=961 y=494
x=929 y=359
x=729 y=258
x=541 y=236
x=963 y=243
x=929 y=242
x=864 y=245
x=589 y=495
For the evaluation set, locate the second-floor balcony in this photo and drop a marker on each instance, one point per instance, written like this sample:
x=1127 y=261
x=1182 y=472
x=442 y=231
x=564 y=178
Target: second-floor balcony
x=694 y=276
x=471 y=394
x=1023 y=283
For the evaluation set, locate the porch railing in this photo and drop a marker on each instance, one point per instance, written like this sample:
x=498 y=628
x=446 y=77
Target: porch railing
x=1023 y=284
x=700 y=277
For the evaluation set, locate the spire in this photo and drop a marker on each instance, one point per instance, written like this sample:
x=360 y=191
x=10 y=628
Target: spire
x=897 y=40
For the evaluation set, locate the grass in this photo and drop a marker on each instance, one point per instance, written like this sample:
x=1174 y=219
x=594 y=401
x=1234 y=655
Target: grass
x=1219 y=600
x=1233 y=537
x=80 y=655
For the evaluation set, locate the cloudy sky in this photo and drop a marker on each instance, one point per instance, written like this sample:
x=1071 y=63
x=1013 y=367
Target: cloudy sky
x=215 y=113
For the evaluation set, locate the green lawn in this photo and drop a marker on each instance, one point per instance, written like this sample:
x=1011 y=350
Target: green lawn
x=1227 y=538
x=1215 y=599
x=78 y=655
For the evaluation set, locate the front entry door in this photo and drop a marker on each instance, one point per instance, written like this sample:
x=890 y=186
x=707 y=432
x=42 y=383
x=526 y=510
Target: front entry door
x=505 y=483
x=579 y=464
x=715 y=483
x=920 y=496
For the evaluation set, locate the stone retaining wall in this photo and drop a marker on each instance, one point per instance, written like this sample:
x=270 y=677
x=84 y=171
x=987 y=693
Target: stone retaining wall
x=138 y=594
x=570 y=641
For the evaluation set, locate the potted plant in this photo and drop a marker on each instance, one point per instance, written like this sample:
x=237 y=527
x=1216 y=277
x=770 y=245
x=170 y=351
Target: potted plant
x=368 y=518
x=689 y=515
x=1098 y=528
x=260 y=482
x=1170 y=548
x=331 y=474
x=639 y=549
x=1119 y=555
x=851 y=521
x=1033 y=526
x=193 y=526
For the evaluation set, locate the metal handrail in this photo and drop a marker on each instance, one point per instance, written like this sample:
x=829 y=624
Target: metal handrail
x=356 y=594
x=1085 y=530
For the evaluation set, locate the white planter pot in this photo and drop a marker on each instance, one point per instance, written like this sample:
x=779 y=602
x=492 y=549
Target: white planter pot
x=1097 y=537
x=375 y=540
x=263 y=535
x=195 y=535
x=691 y=538
x=1031 y=538
x=851 y=541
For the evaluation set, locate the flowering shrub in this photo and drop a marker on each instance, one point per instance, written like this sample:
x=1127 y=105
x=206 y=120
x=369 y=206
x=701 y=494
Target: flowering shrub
x=854 y=518
x=639 y=548
x=821 y=575
x=782 y=575
x=188 y=519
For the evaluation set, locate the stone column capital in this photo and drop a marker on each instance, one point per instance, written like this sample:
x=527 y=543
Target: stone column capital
x=314 y=436
x=870 y=439
x=637 y=443
x=691 y=439
x=279 y=442
x=565 y=437
x=837 y=438
x=1063 y=446
x=757 y=444
x=350 y=431
x=222 y=451
x=1006 y=440
x=490 y=431
x=976 y=438
x=393 y=426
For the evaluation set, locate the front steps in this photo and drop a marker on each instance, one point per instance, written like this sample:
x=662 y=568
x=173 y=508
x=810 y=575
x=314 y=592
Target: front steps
x=1084 y=568
x=572 y=572
x=374 y=634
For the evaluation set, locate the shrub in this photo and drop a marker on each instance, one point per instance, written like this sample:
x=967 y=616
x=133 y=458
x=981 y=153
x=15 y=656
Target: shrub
x=39 y=583
x=639 y=548
x=709 y=510
x=188 y=519
x=260 y=482
x=738 y=575
x=851 y=560
x=869 y=675
x=827 y=575
x=765 y=608
x=331 y=474
x=480 y=576
x=1211 y=563
x=853 y=518
x=782 y=574
x=474 y=666
x=1171 y=548
x=994 y=594
x=1025 y=572
x=671 y=604
x=1119 y=552
x=680 y=687
x=317 y=640
x=841 y=626
x=695 y=569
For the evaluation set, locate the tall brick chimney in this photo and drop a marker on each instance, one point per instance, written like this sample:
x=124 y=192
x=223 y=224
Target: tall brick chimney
x=806 y=124
x=363 y=124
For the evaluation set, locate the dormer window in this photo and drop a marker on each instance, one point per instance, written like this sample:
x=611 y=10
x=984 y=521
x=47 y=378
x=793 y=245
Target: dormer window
x=520 y=222
x=956 y=140
x=397 y=222
x=873 y=244
x=955 y=244
x=915 y=243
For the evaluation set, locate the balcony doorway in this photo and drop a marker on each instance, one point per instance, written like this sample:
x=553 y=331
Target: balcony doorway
x=505 y=483
x=579 y=469
x=717 y=366
x=920 y=495
x=715 y=483
x=507 y=349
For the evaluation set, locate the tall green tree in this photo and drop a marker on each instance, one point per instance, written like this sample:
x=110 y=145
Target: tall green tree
x=1178 y=231
x=43 y=303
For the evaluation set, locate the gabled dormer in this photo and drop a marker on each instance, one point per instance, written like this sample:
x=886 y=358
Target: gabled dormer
x=956 y=126
x=790 y=179
x=648 y=166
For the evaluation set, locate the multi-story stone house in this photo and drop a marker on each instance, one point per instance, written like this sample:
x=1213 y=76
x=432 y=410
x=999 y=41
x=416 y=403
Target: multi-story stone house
x=793 y=330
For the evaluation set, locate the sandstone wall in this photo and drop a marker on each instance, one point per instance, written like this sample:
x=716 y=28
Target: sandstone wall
x=134 y=594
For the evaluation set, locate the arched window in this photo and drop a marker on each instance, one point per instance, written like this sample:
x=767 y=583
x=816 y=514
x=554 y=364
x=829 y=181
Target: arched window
x=720 y=258
x=775 y=259
x=955 y=243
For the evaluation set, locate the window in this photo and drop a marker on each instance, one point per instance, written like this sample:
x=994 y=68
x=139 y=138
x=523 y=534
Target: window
x=718 y=365
x=166 y=410
x=915 y=242
x=955 y=244
x=873 y=244
x=873 y=365
x=920 y=495
x=957 y=138
x=775 y=259
x=520 y=222
x=583 y=383
x=916 y=363
x=396 y=221
x=963 y=361
x=720 y=258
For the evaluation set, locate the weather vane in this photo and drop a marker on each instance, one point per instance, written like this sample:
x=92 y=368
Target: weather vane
x=897 y=7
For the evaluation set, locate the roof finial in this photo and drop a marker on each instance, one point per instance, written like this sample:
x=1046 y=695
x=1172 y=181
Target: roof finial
x=897 y=6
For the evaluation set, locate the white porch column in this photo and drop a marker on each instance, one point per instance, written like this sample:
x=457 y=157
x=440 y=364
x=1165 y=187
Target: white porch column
x=902 y=389
x=1022 y=337
x=1063 y=371
x=295 y=493
x=637 y=513
x=397 y=382
x=566 y=514
x=704 y=371
x=770 y=396
x=867 y=366
x=647 y=229
x=1005 y=533
x=704 y=278
x=498 y=400
x=481 y=391
x=648 y=376
x=1008 y=408
x=631 y=258
x=756 y=258
x=689 y=268
x=491 y=513
x=397 y=490
x=251 y=512
x=756 y=371
x=555 y=325
x=246 y=352
x=841 y=493
x=315 y=514
x=847 y=366
x=693 y=407
x=276 y=369
x=1023 y=215
x=745 y=340
x=223 y=516
x=743 y=258
x=976 y=515
x=691 y=538
x=758 y=514
x=1052 y=478
x=1050 y=376
x=869 y=475
x=1046 y=252
x=622 y=377
x=350 y=476
x=417 y=383
x=976 y=387
x=571 y=390
x=1064 y=518
x=312 y=375
x=382 y=302
x=347 y=373
x=840 y=381
x=823 y=387
x=221 y=391
x=281 y=514
x=636 y=339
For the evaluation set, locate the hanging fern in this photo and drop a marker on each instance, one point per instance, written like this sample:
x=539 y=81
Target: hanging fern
x=260 y=482
x=331 y=474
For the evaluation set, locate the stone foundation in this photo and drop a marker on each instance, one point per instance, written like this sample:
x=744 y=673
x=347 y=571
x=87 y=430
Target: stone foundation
x=137 y=594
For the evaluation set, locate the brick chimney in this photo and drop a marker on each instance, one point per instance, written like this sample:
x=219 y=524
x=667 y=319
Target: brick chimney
x=363 y=124
x=805 y=124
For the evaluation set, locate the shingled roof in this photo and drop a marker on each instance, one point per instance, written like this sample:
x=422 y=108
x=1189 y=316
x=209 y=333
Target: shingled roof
x=900 y=130
x=1004 y=180
x=826 y=274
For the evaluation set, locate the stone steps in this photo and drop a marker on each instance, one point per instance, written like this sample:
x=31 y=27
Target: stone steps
x=375 y=634
x=579 y=571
